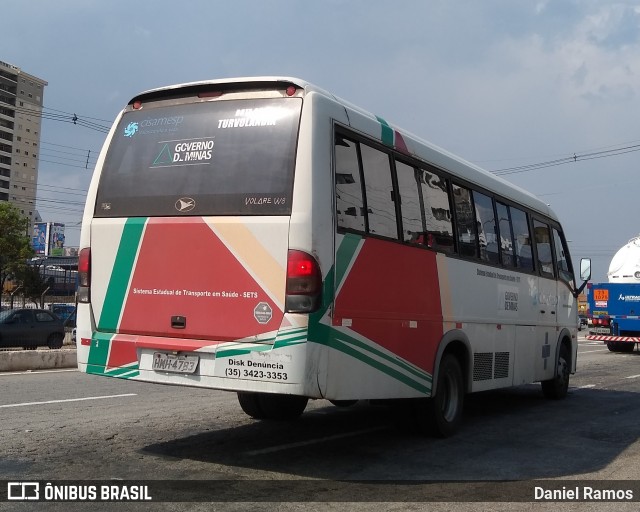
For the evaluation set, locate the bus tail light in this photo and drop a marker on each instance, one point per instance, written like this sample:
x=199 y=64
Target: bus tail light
x=84 y=275
x=304 y=283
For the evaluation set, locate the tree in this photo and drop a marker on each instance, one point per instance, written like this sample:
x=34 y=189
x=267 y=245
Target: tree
x=33 y=283
x=15 y=248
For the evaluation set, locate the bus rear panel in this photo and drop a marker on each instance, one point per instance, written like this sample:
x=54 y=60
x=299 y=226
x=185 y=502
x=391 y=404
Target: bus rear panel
x=188 y=277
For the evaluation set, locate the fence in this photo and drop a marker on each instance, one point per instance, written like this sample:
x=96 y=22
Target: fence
x=63 y=306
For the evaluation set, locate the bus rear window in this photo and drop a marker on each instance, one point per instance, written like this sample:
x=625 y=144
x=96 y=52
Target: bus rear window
x=232 y=157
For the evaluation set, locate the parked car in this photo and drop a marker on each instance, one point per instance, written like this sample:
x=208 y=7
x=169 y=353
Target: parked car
x=30 y=328
x=65 y=312
x=582 y=322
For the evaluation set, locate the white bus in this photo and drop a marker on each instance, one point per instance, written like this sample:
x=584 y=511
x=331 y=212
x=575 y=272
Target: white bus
x=260 y=235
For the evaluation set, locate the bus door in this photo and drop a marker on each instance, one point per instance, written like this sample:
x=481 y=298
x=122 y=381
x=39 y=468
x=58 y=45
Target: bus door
x=547 y=303
x=567 y=303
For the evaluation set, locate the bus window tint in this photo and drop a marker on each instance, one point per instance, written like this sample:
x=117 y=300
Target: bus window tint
x=565 y=270
x=379 y=191
x=221 y=158
x=486 y=222
x=437 y=211
x=506 y=236
x=465 y=222
x=413 y=230
x=349 y=207
x=522 y=236
x=543 y=248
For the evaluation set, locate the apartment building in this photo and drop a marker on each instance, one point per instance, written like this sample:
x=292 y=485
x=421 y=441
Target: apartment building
x=21 y=101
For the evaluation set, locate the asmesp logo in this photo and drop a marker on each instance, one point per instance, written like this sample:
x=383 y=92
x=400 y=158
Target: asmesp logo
x=131 y=129
x=153 y=125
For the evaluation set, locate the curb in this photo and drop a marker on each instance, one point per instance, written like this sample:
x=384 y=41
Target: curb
x=22 y=360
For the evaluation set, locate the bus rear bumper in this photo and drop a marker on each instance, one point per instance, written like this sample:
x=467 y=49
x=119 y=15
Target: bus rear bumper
x=269 y=367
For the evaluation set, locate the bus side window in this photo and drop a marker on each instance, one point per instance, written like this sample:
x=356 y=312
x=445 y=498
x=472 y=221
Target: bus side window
x=465 y=222
x=506 y=236
x=486 y=222
x=543 y=248
x=381 y=210
x=413 y=230
x=349 y=204
x=437 y=211
x=565 y=270
x=524 y=254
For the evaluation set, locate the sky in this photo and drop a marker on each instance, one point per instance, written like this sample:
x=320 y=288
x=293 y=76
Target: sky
x=545 y=93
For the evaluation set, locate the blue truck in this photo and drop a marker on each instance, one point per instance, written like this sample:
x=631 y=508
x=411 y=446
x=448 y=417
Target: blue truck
x=614 y=315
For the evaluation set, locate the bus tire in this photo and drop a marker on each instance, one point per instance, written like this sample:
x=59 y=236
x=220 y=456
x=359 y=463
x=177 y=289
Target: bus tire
x=250 y=404
x=282 y=407
x=557 y=388
x=343 y=403
x=627 y=347
x=441 y=415
x=266 y=406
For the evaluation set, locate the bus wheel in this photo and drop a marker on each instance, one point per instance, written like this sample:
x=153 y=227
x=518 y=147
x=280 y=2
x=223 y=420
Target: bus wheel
x=441 y=415
x=266 y=406
x=556 y=388
x=627 y=347
x=343 y=403
x=283 y=407
x=613 y=346
x=250 y=403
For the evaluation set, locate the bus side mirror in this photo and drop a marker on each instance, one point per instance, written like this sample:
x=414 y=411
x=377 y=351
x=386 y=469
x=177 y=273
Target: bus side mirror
x=585 y=274
x=585 y=269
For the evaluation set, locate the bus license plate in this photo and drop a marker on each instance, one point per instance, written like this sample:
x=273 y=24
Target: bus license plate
x=175 y=363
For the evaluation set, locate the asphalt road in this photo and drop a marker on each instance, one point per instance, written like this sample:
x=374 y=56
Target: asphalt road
x=63 y=425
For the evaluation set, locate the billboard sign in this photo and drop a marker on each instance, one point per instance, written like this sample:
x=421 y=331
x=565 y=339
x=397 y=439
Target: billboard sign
x=56 y=239
x=40 y=238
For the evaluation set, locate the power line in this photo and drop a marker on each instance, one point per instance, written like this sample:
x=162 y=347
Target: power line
x=87 y=117
x=568 y=160
x=66 y=117
x=52 y=188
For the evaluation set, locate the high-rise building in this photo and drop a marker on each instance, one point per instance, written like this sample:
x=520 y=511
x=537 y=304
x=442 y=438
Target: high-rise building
x=21 y=100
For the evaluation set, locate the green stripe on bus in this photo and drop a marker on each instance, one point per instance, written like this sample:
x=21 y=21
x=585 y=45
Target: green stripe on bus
x=387 y=132
x=345 y=348
x=330 y=337
x=123 y=371
x=98 y=352
x=121 y=274
x=241 y=351
x=392 y=359
x=344 y=255
x=290 y=338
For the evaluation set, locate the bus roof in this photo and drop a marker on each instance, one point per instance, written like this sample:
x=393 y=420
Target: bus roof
x=415 y=145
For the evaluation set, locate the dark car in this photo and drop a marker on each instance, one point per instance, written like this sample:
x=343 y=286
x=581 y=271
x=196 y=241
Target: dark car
x=65 y=312
x=30 y=328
